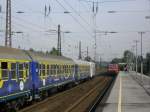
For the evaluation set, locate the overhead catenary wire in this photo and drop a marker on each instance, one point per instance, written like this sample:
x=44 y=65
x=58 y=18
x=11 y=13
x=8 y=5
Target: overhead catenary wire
x=39 y=12
x=84 y=20
x=16 y=23
x=108 y=1
x=75 y=19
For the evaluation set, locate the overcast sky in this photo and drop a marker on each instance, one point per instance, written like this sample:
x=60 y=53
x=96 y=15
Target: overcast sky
x=127 y=21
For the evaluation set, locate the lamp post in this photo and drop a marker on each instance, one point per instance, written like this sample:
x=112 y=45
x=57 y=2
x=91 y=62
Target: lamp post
x=132 y=60
x=136 y=44
x=141 y=34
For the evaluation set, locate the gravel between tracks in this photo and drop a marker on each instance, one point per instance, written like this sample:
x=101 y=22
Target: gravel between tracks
x=62 y=101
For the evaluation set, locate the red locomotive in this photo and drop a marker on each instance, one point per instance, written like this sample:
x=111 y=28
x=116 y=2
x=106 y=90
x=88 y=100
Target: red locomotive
x=113 y=68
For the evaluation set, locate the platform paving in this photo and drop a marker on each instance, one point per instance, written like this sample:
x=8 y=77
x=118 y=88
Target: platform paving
x=127 y=95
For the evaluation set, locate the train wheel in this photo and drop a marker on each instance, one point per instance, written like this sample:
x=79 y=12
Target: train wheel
x=15 y=106
x=4 y=108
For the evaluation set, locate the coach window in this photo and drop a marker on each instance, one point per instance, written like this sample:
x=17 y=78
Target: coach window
x=54 y=69
x=51 y=69
x=4 y=67
x=26 y=66
x=59 y=69
x=64 y=69
x=61 y=66
x=67 y=68
x=43 y=70
x=13 y=70
x=47 y=70
x=70 y=69
x=21 y=71
x=40 y=70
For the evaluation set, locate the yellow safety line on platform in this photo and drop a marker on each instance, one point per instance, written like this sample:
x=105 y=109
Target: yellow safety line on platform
x=120 y=95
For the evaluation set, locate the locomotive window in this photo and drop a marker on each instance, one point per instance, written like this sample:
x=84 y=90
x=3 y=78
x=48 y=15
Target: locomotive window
x=4 y=65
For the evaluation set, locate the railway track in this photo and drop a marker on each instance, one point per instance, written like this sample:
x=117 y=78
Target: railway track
x=79 y=98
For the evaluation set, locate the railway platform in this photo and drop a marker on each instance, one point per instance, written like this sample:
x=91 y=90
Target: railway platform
x=127 y=95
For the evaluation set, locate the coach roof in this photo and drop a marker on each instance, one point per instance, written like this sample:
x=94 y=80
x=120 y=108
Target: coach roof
x=13 y=53
x=39 y=56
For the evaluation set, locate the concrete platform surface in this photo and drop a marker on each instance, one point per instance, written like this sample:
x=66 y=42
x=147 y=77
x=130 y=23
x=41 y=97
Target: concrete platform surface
x=126 y=96
x=143 y=80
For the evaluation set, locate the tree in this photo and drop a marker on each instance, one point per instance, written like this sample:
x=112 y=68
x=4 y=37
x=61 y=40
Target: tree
x=116 y=61
x=54 y=51
x=128 y=56
x=88 y=58
x=31 y=49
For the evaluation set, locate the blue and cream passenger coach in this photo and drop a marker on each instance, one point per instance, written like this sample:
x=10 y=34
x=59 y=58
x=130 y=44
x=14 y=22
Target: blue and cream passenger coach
x=28 y=75
x=49 y=71
x=15 y=79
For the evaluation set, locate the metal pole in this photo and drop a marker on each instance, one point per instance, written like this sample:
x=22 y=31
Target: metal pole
x=95 y=46
x=95 y=11
x=133 y=63
x=136 y=56
x=80 y=55
x=142 y=54
x=59 y=42
x=87 y=52
x=8 y=41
